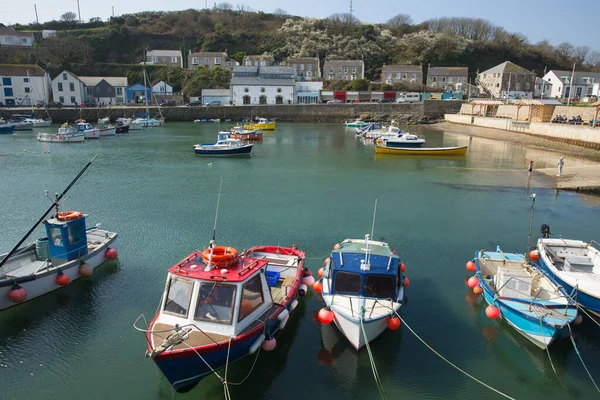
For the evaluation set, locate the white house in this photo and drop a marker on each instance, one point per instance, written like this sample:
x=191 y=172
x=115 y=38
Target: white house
x=10 y=37
x=23 y=85
x=171 y=58
x=542 y=89
x=583 y=83
x=262 y=85
x=162 y=88
x=308 y=92
x=68 y=89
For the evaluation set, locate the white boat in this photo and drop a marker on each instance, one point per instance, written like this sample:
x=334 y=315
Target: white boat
x=575 y=265
x=375 y=133
x=108 y=131
x=38 y=122
x=225 y=147
x=401 y=140
x=104 y=121
x=359 y=123
x=89 y=132
x=64 y=135
x=364 y=288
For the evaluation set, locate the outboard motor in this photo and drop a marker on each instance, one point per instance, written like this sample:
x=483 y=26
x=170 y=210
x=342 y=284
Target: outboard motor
x=545 y=231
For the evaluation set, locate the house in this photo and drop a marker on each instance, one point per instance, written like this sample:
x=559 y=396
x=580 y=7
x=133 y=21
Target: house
x=391 y=74
x=106 y=90
x=10 y=37
x=262 y=85
x=170 y=58
x=450 y=79
x=263 y=60
x=46 y=33
x=307 y=68
x=209 y=60
x=162 y=88
x=344 y=69
x=542 y=89
x=583 y=84
x=507 y=79
x=308 y=92
x=138 y=93
x=23 y=85
x=222 y=95
x=68 y=89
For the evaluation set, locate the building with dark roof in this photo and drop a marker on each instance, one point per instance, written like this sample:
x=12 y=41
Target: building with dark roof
x=344 y=70
x=448 y=78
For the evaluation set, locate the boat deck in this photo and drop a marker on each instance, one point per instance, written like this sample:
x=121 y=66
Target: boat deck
x=196 y=337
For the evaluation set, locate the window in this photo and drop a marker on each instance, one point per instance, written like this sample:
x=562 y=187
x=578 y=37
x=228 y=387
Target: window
x=414 y=75
x=347 y=282
x=252 y=295
x=27 y=90
x=215 y=303
x=60 y=87
x=497 y=84
x=8 y=92
x=262 y=89
x=301 y=67
x=346 y=69
x=61 y=99
x=443 y=79
x=278 y=100
x=194 y=60
x=74 y=230
x=309 y=67
x=449 y=79
x=353 y=77
x=331 y=69
x=262 y=100
x=217 y=60
x=330 y=76
x=119 y=91
x=339 y=69
x=173 y=60
x=89 y=91
x=309 y=73
x=179 y=294
x=64 y=76
x=389 y=76
x=246 y=90
x=404 y=75
x=246 y=100
x=526 y=85
x=398 y=75
x=434 y=79
x=278 y=90
x=381 y=286
x=460 y=79
x=484 y=76
x=154 y=59
x=6 y=82
x=26 y=80
x=56 y=237
x=517 y=86
x=263 y=63
x=354 y=70
x=73 y=101
x=71 y=87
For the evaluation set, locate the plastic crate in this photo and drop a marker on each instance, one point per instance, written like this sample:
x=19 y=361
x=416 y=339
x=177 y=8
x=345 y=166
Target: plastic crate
x=272 y=278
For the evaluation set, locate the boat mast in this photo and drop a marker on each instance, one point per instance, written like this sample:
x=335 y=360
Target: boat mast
x=212 y=242
x=30 y=97
x=530 y=225
x=145 y=88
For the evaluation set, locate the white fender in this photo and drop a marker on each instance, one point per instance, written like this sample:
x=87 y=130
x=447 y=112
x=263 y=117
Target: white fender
x=283 y=315
x=256 y=344
x=294 y=305
x=283 y=321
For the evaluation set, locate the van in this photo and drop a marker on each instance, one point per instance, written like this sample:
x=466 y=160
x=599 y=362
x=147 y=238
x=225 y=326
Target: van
x=409 y=98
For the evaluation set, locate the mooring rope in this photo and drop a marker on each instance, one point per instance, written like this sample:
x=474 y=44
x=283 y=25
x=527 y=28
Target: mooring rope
x=581 y=359
x=372 y=360
x=580 y=308
x=225 y=387
x=550 y=359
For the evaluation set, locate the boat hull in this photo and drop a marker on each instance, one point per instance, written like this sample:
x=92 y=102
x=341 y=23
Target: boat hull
x=239 y=151
x=246 y=136
x=432 y=151
x=268 y=126
x=108 y=132
x=122 y=129
x=7 y=129
x=351 y=329
x=55 y=138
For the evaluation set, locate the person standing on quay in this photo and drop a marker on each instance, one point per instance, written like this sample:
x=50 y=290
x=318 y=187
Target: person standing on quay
x=530 y=168
x=561 y=163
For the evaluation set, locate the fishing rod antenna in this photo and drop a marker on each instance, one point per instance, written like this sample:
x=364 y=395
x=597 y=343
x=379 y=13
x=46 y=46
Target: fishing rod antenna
x=217 y=211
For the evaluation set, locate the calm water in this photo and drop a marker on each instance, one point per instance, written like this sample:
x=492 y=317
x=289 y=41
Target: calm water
x=311 y=184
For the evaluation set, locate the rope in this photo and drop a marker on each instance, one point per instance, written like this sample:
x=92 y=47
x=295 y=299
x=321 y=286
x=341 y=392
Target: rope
x=550 y=358
x=225 y=387
x=586 y=313
x=372 y=360
x=581 y=359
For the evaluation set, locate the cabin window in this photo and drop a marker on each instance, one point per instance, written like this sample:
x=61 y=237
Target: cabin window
x=56 y=237
x=381 y=286
x=347 y=282
x=74 y=233
x=252 y=297
x=215 y=303
x=179 y=295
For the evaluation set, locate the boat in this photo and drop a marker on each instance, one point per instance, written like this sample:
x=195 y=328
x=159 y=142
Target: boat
x=363 y=288
x=6 y=128
x=108 y=131
x=422 y=151
x=121 y=129
x=69 y=251
x=39 y=122
x=524 y=296
x=373 y=126
x=238 y=132
x=404 y=140
x=224 y=147
x=20 y=125
x=264 y=124
x=88 y=131
x=219 y=306
x=104 y=121
x=575 y=265
x=356 y=124
x=64 y=135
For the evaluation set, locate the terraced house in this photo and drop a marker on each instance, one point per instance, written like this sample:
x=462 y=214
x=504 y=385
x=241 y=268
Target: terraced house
x=170 y=58
x=307 y=68
x=263 y=60
x=210 y=59
x=344 y=70
x=448 y=78
x=23 y=85
x=10 y=37
x=391 y=74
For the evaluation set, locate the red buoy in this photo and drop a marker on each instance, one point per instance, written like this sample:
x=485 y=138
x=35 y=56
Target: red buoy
x=337 y=246
x=17 y=294
x=471 y=266
x=307 y=272
x=111 y=254
x=61 y=278
x=578 y=320
x=318 y=286
x=321 y=272
x=393 y=323
x=534 y=255
x=477 y=290
x=325 y=316
x=492 y=312
x=325 y=261
x=406 y=282
x=269 y=344
x=402 y=267
x=472 y=282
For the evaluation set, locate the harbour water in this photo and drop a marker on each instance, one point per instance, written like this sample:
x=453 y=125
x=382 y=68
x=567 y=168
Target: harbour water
x=310 y=184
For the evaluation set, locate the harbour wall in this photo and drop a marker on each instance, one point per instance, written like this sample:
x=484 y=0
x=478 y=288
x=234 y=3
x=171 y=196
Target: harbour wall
x=429 y=109
x=578 y=135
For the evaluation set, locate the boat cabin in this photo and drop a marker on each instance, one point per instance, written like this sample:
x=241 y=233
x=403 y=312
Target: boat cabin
x=84 y=126
x=67 y=238
x=364 y=270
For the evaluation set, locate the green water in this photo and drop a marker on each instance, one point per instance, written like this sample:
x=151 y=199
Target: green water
x=310 y=184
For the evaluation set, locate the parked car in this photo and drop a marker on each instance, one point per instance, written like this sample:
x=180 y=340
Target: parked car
x=194 y=103
x=2 y=104
x=39 y=103
x=385 y=100
x=336 y=101
x=168 y=103
x=213 y=103
x=54 y=104
x=452 y=98
x=89 y=104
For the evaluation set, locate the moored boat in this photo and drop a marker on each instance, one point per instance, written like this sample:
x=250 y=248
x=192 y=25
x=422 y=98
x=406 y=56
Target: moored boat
x=356 y=124
x=238 y=132
x=121 y=129
x=219 y=306
x=6 y=128
x=88 y=131
x=363 y=288
x=108 y=131
x=64 y=135
x=225 y=147
x=423 y=151
x=403 y=139
x=524 y=296
x=39 y=122
x=575 y=265
x=264 y=124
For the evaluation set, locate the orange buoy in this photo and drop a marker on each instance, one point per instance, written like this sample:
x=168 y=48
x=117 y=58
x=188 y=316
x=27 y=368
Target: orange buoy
x=406 y=282
x=472 y=282
x=492 y=312
x=86 y=270
x=477 y=290
x=61 y=278
x=337 y=246
x=402 y=267
x=393 y=323
x=111 y=254
x=269 y=344
x=318 y=286
x=325 y=261
x=534 y=255
x=68 y=215
x=471 y=266
x=325 y=316
x=17 y=294
x=321 y=272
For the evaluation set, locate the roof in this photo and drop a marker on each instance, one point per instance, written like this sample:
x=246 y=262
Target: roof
x=21 y=70
x=207 y=54
x=463 y=71
x=540 y=81
x=579 y=77
x=506 y=66
x=259 y=56
x=8 y=31
x=245 y=68
x=193 y=267
x=303 y=60
x=137 y=86
x=67 y=72
x=276 y=70
x=344 y=63
x=114 y=81
x=256 y=81
x=486 y=102
x=403 y=68
x=538 y=102
x=163 y=53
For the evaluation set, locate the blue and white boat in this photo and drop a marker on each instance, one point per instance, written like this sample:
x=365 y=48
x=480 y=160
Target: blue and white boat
x=575 y=265
x=6 y=128
x=402 y=139
x=528 y=299
x=88 y=131
x=363 y=286
x=224 y=147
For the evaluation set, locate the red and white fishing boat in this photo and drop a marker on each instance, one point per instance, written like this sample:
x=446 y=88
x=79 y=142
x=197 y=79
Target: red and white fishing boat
x=219 y=306
x=238 y=132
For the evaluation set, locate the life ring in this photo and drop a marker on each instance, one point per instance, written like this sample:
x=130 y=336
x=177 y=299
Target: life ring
x=68 y=215
x=222 y=256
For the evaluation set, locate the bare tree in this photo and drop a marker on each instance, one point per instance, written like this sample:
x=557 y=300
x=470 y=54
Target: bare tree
x=593 y=60
x=223 y=7
x=69 y=16
x=242 y=8
x=399 y=20
x=580 y=54
x=281 y=12
x=564 y=53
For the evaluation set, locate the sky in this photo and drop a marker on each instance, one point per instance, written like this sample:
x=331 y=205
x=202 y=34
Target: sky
x=574 y=21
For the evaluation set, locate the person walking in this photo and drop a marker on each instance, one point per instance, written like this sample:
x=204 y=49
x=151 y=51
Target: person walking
x=561 y=163
x=530 y=168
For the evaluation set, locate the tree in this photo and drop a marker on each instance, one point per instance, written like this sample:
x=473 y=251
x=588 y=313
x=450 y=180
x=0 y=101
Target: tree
x=281 y=12
x=69 y=16
x=564 y=52
x=399 y=24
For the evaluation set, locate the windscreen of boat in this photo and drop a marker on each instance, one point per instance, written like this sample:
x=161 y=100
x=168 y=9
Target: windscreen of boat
x=380 y=286
x=252 y=297
x=215 y=303
x=347 y=282
x=179 y=295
